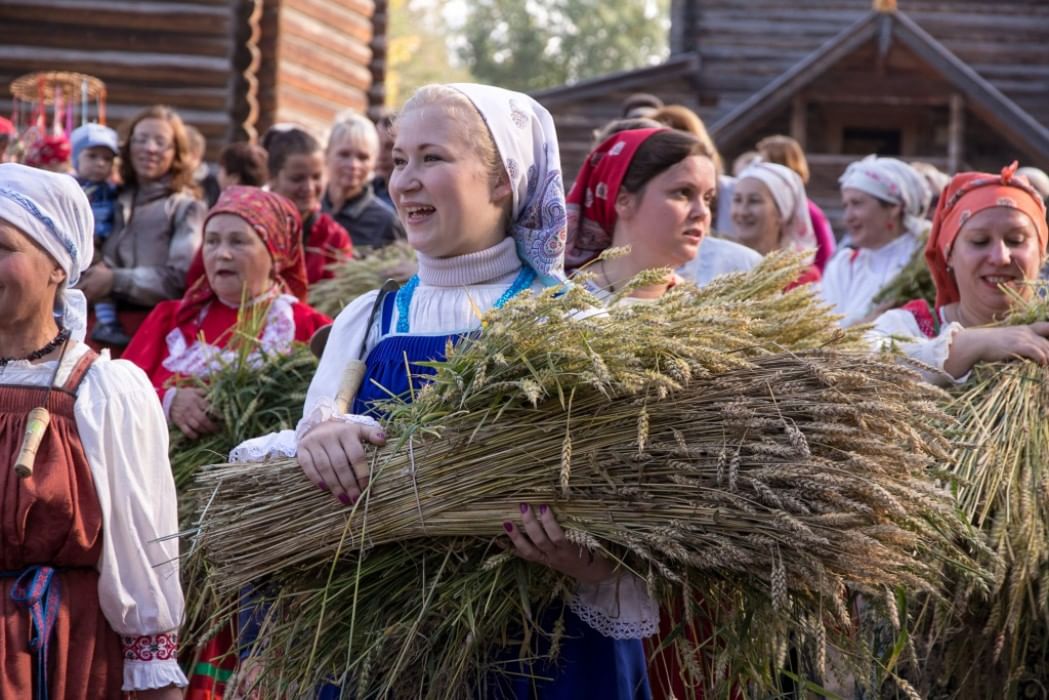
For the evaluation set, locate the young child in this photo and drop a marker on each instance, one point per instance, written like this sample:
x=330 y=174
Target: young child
x=94 y=150
x=296 y=168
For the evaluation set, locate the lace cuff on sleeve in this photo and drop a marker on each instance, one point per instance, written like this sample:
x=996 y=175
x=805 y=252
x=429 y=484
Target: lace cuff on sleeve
x=619 y=608
x=286 y=442
x=325 y=410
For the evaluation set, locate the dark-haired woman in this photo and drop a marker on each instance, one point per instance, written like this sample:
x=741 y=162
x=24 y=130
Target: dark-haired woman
x=650 y=189
x=157 y=224
x=296 y=165
x=653 y=190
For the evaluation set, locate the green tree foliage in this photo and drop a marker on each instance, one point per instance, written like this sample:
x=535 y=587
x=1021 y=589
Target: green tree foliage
x=418 y=52
x=530 y=45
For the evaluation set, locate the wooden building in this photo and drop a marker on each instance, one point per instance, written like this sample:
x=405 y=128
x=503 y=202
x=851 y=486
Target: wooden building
x=960 y=83
x=230 y=67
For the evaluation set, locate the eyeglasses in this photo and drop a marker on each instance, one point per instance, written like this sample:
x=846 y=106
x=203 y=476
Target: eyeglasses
x=159 y=141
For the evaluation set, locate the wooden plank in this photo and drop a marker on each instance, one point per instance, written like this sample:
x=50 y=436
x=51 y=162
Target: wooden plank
x=956 y=137
x=102 y=39
x=112 y=66
x=296 y=25
x=174 y=17
x=316 y=108
x=798 y=120
x=309 y=82
x=329 y=71
x=348 y=18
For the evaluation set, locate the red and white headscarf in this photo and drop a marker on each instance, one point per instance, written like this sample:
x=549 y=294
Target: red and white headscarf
x=967 y=195
x=278 y=224
x=592 y=200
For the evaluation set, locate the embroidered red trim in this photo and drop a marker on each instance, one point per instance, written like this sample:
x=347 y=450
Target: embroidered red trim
x=924 y=315
x=151 y=647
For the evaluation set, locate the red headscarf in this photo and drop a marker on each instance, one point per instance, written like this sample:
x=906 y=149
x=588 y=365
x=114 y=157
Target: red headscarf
x=967 y=195
x=278 y=224
x=592 y=201
x=6 y=127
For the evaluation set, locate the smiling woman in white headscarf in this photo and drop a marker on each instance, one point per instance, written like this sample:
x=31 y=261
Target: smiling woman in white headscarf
x=770 y=212
x=91 y=598
x=477 y=184
x=885 y=203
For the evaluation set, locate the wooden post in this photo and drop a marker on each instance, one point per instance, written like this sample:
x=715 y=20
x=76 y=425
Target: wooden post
x=799 y=120
x=956 y=134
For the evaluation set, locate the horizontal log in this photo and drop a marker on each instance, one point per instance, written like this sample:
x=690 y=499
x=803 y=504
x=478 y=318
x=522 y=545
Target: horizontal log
x=19 y=60
x=332 y=70
x=204 y=99
x=348 y=18
x=103 y=39
x=298 y=106
x=173 y=16
x=297 y=25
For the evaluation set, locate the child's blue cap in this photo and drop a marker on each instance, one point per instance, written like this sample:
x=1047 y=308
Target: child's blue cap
x=91 y=135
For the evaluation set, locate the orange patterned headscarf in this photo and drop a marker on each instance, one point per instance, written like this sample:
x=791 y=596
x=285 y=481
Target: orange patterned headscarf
x=967 y=195
x=278 y=224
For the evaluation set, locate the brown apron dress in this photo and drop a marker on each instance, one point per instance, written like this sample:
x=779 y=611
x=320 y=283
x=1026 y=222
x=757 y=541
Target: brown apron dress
x=52 y=519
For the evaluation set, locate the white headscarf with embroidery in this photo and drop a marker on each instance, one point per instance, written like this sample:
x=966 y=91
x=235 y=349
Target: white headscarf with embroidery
x=893 y=181
x=788 y=191
x=524 y=135
x=51 y=209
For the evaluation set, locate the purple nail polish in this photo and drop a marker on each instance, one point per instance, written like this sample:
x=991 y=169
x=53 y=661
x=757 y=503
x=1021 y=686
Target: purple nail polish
x=508 y=526
x=345 y=500
x=382 y=436
x=322 y=486
x=542 y=509
x=524 y=508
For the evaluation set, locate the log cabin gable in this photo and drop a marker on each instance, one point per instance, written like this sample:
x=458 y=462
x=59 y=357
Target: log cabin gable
x=882 y=80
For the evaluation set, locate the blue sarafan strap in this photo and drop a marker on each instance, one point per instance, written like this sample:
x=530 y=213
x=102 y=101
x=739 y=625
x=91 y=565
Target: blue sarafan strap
x=524 y=280
x=36 y=589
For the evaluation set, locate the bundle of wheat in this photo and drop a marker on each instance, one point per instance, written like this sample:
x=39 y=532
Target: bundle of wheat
x=677 y=438
x=994 y=640
x=365 y=271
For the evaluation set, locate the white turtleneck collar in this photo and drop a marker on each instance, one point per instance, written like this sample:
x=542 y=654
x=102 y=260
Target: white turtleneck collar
x=473 y=268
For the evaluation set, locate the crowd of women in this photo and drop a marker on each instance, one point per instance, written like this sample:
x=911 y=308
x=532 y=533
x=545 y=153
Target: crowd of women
x=91 y=597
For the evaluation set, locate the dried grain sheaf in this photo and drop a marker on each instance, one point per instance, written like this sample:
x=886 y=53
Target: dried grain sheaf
x=733 y=478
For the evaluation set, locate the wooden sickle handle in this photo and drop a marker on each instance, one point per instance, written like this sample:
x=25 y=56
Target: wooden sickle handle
x=36 y=426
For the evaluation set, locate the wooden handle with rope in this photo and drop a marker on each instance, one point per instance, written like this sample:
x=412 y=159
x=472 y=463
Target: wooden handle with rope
x=353 y=375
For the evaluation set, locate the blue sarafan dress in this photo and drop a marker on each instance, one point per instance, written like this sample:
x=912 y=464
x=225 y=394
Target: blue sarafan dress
x=589 y=664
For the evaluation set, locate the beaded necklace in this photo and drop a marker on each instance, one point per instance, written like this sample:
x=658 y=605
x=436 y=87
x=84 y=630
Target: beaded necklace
x=63 y=336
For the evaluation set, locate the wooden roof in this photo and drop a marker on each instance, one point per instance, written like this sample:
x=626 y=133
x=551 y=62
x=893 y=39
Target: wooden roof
x=986 y=100
x=746 y=44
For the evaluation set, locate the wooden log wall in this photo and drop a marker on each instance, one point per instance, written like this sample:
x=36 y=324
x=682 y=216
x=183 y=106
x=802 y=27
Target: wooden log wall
x=745 y=45
x=174 y=53
x=311 y=58
x=323 y=57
